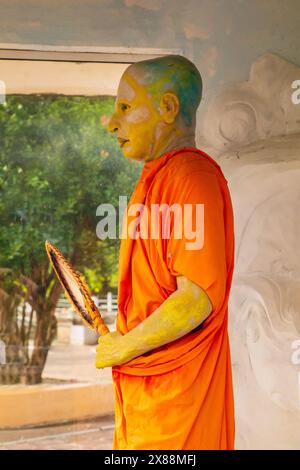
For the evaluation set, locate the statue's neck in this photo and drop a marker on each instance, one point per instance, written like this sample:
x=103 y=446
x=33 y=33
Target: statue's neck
x=174 y=142
x=184 y=141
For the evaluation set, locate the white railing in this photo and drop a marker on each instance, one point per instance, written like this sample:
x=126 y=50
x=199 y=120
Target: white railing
x=107 y=305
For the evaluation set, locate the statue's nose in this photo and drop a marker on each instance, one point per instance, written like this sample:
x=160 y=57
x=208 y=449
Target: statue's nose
x=113 y=125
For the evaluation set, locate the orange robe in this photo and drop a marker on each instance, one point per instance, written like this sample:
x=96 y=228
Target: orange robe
x=180 y=395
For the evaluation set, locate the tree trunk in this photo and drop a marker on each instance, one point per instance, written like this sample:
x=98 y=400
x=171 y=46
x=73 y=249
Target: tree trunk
x=20 y=365
x=45 y=333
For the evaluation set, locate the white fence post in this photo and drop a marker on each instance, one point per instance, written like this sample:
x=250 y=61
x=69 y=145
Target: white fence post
x=109 y=303
x=2 y=352
x=2 y=92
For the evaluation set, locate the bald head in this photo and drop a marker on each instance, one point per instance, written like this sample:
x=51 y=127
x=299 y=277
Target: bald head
x=155 y=107
x=174 y=74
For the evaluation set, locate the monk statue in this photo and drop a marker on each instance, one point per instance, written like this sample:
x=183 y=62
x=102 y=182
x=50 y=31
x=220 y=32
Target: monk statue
x=170 y=354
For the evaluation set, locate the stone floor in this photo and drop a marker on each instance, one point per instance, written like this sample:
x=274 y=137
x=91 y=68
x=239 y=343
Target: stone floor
x=71 y=364
x=88 y=435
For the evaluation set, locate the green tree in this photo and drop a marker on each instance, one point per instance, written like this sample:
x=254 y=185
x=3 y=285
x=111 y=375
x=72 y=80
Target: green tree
x=57 y=164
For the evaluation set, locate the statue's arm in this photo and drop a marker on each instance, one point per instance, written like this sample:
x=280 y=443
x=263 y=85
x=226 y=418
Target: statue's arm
x=180 y=313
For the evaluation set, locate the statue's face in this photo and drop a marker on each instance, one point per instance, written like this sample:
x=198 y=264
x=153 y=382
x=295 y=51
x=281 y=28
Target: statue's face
x=137 y=121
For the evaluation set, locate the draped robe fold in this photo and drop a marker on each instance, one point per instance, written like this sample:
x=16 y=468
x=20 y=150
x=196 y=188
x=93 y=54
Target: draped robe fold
x=180 y=395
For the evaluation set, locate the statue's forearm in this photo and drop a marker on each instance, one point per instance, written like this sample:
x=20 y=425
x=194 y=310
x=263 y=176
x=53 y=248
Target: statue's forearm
x=180 y=313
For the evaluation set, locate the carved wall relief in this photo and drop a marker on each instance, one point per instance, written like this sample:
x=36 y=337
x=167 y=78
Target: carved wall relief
x=254 y=129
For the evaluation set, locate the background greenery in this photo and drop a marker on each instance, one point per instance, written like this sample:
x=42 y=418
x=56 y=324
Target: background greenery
x=57 y=164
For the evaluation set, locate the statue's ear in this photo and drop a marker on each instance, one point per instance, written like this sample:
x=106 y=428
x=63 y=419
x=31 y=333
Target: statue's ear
x=169 y=105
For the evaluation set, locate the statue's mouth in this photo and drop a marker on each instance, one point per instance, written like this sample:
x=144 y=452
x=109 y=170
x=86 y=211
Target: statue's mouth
x=122 y=142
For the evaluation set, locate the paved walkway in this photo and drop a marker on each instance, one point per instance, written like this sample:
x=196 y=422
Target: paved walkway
x=72 y=364
x=89 y=435
x=75 y=364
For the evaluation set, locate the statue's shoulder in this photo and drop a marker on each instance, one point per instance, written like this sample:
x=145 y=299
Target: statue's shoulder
x=183 y=171
x=188 y=161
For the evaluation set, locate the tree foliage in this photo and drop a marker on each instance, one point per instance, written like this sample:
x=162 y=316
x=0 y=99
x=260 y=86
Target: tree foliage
x=57 y=164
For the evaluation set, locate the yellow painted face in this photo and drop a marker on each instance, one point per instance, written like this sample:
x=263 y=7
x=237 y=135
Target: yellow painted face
x=136 y=121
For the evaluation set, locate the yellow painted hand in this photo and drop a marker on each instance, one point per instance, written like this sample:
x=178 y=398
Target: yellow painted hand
x=111 y=350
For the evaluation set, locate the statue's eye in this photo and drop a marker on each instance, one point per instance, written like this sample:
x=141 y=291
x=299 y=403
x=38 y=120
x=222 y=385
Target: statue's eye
x=124 y=106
